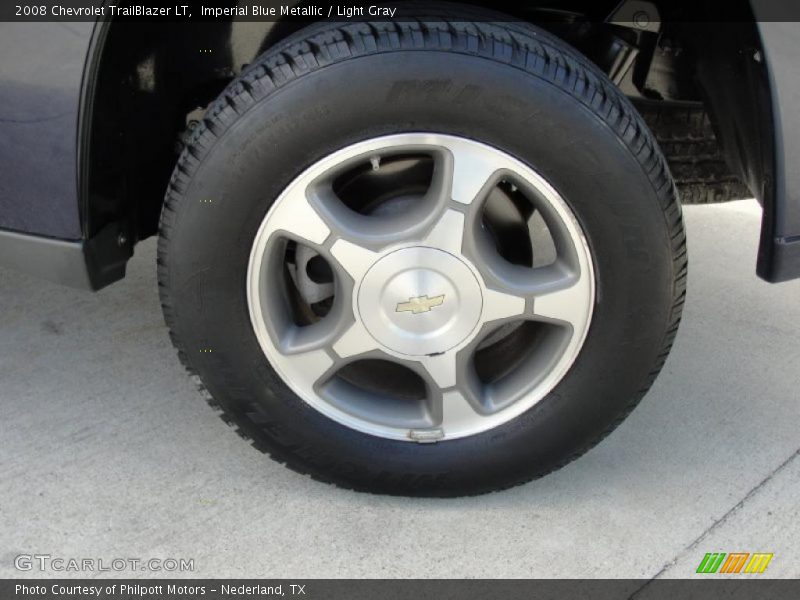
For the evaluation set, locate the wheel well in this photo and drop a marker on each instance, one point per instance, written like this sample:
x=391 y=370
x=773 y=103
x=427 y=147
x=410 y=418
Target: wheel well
x=151 y=80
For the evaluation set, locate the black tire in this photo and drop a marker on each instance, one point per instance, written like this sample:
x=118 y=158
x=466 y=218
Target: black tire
x=508 y=85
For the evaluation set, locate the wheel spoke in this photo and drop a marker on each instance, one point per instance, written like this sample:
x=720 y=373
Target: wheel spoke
x=354 y=259
x=441 y=368
x=472 y=170
x=501 y=305
x=308 y=366
x=297 y=216
x=456 y=411
x=356 y=340
x=567 y=304
x=448 y=233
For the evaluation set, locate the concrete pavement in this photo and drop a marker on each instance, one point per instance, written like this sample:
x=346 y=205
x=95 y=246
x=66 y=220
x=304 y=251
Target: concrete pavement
x=109 y=451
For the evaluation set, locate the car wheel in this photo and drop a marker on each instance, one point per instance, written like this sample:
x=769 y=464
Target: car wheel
x=423 y=258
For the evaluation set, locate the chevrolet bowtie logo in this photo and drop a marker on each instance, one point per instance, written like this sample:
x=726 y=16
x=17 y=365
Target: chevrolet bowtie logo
x=420 y=304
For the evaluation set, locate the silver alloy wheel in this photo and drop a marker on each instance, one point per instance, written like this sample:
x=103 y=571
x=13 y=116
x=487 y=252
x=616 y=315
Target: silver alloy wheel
x=417 y=290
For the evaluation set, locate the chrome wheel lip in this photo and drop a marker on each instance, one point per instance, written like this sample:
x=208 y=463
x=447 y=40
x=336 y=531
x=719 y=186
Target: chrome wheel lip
x=284 y=214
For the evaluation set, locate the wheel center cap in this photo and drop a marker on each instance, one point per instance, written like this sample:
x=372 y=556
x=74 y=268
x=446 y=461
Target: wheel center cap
x=419 y=301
